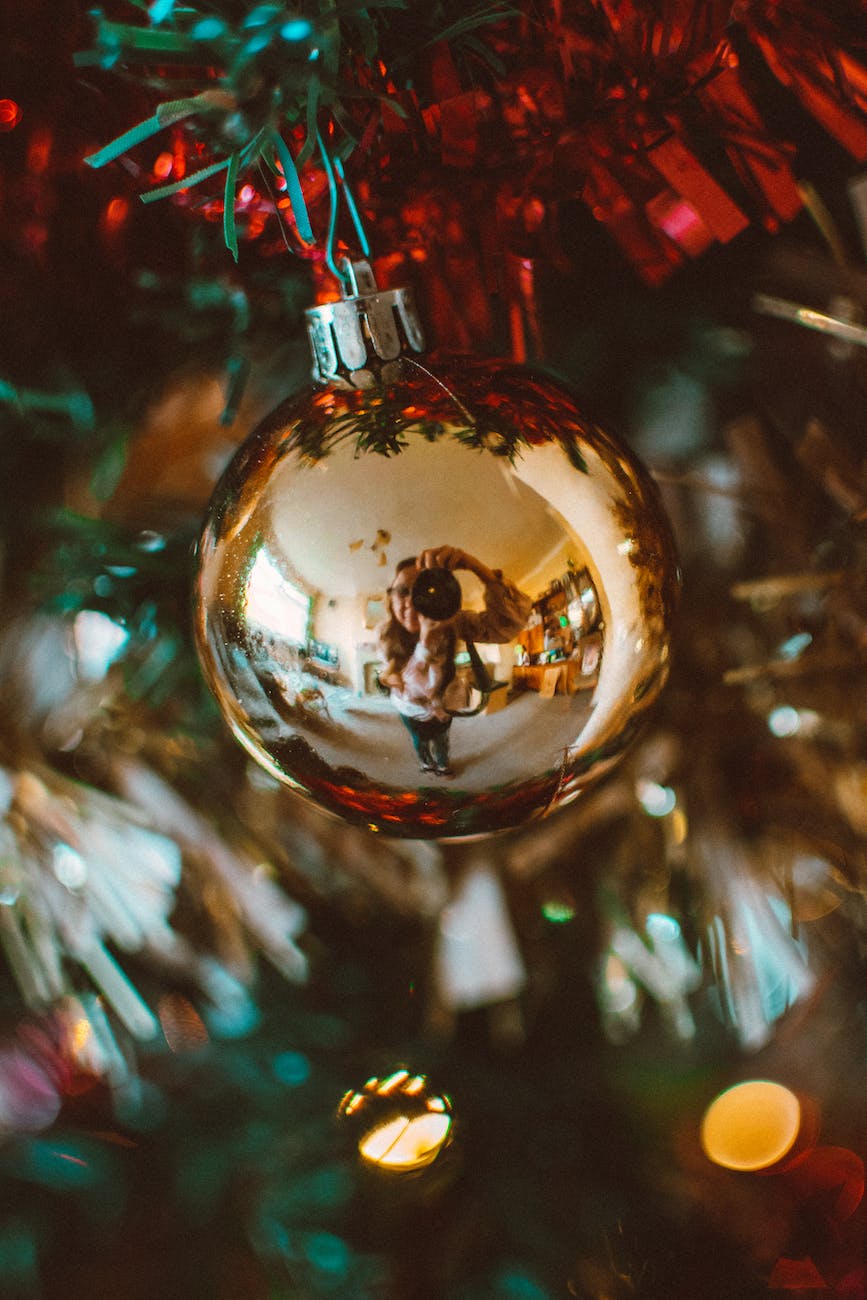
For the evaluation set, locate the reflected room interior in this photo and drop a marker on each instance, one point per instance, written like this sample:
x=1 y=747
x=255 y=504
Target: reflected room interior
x=312 y=605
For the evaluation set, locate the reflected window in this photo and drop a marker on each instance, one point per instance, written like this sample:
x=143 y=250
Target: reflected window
x=275 y=604
x=583 y=608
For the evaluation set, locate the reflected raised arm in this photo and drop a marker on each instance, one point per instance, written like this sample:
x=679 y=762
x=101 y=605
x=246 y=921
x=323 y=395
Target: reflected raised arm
x=451 y=558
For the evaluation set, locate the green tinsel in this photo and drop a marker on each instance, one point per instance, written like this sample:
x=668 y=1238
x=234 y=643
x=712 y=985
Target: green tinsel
x=270 y=72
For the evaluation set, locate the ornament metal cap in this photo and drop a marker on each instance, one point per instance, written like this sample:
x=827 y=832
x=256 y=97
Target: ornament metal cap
x=358 y=340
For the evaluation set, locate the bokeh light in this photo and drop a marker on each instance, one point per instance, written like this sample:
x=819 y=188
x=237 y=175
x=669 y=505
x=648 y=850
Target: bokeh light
x=656 y=800
x=751 y=1126
x=784 y=721
x=10 y=114
x=402 y=1125
x=406 y=1143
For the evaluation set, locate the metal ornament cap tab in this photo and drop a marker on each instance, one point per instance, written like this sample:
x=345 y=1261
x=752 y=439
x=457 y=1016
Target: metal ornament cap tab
x=358 y=340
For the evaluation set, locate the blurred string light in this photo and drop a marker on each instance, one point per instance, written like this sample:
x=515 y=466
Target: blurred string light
x=559 y=911
x=291 y=1068
x=164 y=165
x=656 y=800
x=795 y=646
x=10 y=114
x=114 y=217
x=762 y=1127
x=402 y=1125
x=90 y=1041
x=751 y=1126
x=661 y=802
x=784 y=720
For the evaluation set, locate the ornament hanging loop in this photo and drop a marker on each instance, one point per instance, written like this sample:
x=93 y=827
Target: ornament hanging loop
x=357 y=342
x=356 y=278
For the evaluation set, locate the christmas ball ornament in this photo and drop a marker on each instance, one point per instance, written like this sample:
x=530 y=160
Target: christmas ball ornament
x=433 y=596
x=400 y=1125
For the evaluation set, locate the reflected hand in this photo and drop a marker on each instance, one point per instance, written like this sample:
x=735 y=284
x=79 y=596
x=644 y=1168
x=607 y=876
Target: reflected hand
x=451 y=558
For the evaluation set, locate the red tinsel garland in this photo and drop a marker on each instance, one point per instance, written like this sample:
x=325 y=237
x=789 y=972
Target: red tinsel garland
x=645 y=113
x=649 y=112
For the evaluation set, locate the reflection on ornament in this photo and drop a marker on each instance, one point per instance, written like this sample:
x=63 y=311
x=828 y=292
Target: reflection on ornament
x=541 y=513
x=751 y=1126
x=405 y=1143
x=402 y=1125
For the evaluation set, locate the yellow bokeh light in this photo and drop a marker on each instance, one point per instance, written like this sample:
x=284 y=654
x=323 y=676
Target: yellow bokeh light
x=404 y=1144
x=350 y=1103
x=393 y=1081
x=81 y=1032
x=678 y=826
x=751 y=1126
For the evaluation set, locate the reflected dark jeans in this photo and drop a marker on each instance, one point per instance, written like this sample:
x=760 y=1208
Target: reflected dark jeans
x=430 y=740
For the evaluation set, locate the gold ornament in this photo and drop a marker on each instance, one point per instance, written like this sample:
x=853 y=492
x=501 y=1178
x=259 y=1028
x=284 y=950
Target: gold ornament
x=450 y=720
x=401 y=1125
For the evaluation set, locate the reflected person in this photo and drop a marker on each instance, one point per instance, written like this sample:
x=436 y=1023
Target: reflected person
x=419 y=651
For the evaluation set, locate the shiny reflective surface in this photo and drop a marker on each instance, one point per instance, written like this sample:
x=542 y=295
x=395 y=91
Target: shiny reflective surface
x=400 y=1123
x=493 y=471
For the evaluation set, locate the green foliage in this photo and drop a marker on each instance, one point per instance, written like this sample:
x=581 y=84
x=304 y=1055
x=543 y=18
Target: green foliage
x=254 y=76
x=74 y=405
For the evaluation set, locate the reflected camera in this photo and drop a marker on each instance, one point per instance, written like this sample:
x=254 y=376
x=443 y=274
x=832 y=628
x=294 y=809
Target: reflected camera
x=436 y=594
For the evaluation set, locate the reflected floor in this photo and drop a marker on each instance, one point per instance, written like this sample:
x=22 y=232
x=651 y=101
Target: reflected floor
x=489 y=750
